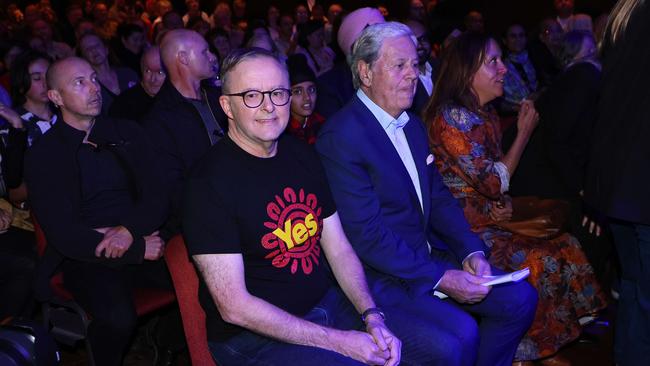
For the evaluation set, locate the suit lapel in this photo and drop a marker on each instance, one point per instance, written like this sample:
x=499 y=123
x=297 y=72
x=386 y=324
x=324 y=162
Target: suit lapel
x=388 y=154
x=419 y=151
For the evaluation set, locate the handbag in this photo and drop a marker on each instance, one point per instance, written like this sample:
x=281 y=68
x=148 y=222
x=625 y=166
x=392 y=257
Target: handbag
x=541 y=218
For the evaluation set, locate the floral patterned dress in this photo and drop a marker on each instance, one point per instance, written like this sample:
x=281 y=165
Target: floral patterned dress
x=466 y=146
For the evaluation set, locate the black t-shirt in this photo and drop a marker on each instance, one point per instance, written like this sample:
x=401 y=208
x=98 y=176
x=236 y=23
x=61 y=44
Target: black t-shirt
x=270 y=210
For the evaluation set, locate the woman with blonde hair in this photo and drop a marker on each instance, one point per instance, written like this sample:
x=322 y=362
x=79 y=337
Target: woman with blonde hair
x=618 y=175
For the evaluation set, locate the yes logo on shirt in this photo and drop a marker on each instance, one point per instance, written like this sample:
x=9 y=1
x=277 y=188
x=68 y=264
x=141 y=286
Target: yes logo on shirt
x=295 y=227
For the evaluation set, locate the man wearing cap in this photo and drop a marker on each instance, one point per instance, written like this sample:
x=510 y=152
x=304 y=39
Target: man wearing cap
x=335 y=87
x=405 y=226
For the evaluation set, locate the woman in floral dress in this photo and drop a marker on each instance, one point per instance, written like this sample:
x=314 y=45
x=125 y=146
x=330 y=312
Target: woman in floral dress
x=465 y=139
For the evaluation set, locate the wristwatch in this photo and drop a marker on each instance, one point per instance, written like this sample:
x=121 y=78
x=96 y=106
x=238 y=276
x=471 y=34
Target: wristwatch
x=371 y=311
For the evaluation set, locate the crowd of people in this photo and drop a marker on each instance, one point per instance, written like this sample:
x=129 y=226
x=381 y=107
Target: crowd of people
x=345 y=181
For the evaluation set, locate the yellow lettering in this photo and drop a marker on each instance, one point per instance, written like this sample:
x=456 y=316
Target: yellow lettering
x=285 y=234
x=312 y=225
x=299 y=232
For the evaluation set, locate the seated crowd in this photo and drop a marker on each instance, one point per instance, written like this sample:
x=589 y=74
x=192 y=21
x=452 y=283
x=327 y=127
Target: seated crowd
x=345 y=181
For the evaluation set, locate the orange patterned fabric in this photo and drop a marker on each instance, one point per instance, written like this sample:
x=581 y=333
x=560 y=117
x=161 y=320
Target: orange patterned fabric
x=465 y=154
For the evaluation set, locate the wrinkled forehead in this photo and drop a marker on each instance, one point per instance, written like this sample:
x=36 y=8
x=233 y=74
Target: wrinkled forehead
x=242 y=73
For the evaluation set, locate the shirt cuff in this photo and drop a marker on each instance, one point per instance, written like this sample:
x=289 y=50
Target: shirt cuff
x=504 y=175
x=471 y=254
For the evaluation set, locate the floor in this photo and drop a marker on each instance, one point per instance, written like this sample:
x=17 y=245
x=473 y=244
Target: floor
x=598 y=352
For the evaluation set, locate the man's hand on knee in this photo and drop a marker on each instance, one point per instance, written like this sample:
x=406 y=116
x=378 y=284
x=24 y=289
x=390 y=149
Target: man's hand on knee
x=385 y=340
x=463 y=286
x=360 y=346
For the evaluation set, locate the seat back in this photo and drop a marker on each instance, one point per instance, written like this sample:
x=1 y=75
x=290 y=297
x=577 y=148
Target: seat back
x=186 y=285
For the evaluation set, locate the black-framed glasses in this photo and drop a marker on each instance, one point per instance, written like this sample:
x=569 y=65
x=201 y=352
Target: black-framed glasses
x=255 y=98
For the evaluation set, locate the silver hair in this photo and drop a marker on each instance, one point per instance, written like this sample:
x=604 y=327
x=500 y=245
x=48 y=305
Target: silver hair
x=367 y=47
x=242 y=54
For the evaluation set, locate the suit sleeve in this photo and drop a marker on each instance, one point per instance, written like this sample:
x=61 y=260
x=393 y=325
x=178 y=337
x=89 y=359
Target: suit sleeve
x=50 y=195
x=358 y=205
x=447 y=222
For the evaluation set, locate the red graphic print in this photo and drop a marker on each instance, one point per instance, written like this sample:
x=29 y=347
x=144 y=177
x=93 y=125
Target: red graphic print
x=295 y=230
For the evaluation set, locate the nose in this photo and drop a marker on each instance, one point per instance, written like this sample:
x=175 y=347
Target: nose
x=412 y=70
x=267 y=105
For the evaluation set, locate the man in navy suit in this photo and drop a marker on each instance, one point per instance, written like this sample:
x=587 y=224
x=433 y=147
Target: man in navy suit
x=406 y=227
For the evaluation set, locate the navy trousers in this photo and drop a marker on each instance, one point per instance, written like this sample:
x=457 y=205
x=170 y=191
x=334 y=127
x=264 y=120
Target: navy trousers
x=632 y=334
x=446 y=333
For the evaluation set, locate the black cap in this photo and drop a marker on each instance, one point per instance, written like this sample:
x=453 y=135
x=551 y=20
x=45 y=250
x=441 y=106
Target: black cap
x=299 y=70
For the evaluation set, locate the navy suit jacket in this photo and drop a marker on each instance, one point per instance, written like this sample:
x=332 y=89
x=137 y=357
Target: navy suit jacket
x=378 y=205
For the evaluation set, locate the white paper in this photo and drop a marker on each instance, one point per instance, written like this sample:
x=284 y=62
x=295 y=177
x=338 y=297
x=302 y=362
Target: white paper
x=496 y=280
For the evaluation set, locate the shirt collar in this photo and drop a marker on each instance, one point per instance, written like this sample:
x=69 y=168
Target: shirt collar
x=385 y=119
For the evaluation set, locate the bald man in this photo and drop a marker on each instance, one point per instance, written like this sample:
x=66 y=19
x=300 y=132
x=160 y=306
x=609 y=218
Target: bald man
x=335 y=87
x=137 y=101
x=93 y=188
x=186 y=118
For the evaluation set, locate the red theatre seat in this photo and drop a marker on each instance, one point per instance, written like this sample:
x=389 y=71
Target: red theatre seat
x=68 y=322
x=186 y=284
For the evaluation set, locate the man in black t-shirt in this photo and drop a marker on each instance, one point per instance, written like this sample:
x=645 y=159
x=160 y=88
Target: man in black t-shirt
x=258 y=235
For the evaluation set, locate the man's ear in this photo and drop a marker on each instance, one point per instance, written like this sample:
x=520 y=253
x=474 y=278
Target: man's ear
x=365 y=73
x=55 y=97
x=182 y=57
x=224 y=101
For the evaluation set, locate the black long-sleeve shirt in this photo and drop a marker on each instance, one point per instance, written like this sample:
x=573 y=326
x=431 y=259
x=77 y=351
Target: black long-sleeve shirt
x=74 y=188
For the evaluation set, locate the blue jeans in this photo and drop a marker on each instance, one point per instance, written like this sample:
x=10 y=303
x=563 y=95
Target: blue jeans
x=632 y=335
x=248 y=348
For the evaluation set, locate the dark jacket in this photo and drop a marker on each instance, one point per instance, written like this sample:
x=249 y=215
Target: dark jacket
x=53 y=180
x=618 y=172
x=555 y=159
x=133 y=104
x=180 y=139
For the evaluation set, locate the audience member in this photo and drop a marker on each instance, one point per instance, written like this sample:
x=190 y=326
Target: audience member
x=56 y=50
x=520 y=82
x=112 y=80
x=258 y=318
x=335 y=88
x=312 y=44
x=564 y=11
x=301 y=14
x=426 y=72
x=30 y=118
x=286 y=42
x=544 y=52
x=194 y=11
x=474 y=22
x=100 y=214
x=105 y=27
x=272 y=21
x=417 y=12
x=304 y=122
x=73 y=14
x=221 y=17
x=131 y=40
x=557 y=166
x=406 y=227
x=219 y=43
x=199 y=25
x=617 y=177
x=185 y=119
x=465 y=139
x=137 y=101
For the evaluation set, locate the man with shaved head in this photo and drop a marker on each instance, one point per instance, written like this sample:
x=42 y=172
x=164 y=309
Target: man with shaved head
x=186 y=118
x=137 y=101
x=93 y=188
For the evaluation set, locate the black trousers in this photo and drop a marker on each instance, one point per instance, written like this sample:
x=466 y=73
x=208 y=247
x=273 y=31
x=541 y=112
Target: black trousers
x=106 y=293
x=17 y=264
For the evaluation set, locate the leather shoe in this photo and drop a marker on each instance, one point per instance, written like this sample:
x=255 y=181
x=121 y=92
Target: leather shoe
x=556 y=360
